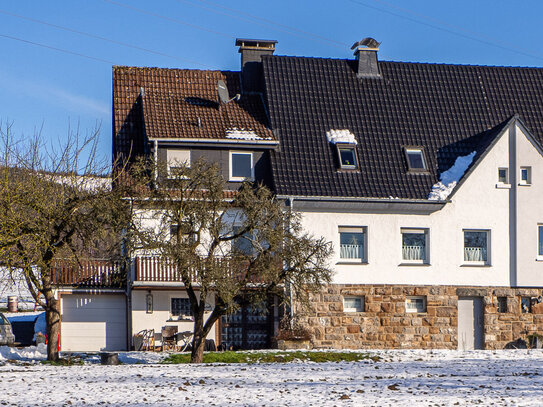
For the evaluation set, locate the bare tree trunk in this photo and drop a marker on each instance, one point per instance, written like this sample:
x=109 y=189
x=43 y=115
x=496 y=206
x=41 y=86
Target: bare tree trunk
x=199 y=339
x=200 y=333
x=52 y=317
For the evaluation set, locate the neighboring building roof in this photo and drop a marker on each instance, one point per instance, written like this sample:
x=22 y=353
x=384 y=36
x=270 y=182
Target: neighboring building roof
x=181 y=104
x=449 y=110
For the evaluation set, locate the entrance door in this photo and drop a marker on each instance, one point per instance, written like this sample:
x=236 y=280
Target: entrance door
x=470 y=323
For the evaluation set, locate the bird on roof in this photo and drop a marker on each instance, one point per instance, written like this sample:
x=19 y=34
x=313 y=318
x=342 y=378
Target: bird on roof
x=366 y=42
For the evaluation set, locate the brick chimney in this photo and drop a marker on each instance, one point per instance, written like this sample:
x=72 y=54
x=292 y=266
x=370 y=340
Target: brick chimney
x=251 y=62
x=366 y=56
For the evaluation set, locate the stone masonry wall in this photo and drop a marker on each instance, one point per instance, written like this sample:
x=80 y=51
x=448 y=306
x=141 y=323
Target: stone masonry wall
x=385 y=324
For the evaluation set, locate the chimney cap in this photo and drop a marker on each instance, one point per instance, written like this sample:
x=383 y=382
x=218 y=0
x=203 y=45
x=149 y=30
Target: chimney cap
x=367 y=42
x=255 y=43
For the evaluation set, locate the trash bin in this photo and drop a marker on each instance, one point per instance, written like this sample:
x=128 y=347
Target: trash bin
x=13 y=303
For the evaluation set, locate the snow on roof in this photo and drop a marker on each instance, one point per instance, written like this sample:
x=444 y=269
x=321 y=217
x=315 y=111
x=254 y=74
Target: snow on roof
x=242 y=134
x=448 y=179
x=341 y=136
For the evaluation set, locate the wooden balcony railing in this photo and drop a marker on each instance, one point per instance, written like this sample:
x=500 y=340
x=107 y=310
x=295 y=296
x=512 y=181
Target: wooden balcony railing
x=163 y=269
x=89 y=273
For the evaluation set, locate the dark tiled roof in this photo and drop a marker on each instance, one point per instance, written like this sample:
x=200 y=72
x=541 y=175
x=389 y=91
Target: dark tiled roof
x=448 y=109
x=171 y=102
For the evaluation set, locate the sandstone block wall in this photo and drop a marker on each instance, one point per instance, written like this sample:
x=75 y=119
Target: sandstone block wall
x=385 y=324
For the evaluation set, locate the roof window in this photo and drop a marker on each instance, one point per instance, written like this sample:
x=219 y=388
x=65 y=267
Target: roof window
x=345 y=143
x=415 y=159
x=347 y=156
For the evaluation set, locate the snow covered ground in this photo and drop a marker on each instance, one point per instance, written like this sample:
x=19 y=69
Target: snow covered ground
x=400 y=378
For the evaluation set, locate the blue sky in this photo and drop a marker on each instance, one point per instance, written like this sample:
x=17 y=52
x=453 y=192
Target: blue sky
x=44 y=88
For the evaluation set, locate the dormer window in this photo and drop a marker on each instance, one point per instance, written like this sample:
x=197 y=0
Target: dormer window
x=241 y=166
x=178 y=160
x=347 y=156
x=415 y=159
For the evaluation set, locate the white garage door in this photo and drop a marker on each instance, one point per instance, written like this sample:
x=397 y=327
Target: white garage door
x=93 y=322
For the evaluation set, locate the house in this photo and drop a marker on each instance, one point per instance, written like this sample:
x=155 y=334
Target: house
x=425 y=177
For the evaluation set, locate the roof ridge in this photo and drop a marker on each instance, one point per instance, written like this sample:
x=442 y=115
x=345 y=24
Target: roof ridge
x=156 y=68
x=406 y=62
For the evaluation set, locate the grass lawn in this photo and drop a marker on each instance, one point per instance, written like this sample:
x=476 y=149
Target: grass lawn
x=273 y=357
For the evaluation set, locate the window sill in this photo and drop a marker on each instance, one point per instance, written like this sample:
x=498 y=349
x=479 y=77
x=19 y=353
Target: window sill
x=503 y=186
x=241 y=179
x=524 y=185
x=539 y=258
x=418 y=172
x=355 y=262
x=475 y=265
x=409 y=264
x=416 y=313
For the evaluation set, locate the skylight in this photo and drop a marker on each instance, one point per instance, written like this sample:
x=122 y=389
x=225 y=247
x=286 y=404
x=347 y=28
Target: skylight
x=347 y=157
x=415 y=159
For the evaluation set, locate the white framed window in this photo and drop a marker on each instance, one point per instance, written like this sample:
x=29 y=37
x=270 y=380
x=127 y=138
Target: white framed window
x=347 y=156
x=241 y=166
x=177 y=160
x=244 y=243
x=353 y=304
x=415 y=304
x=476 y=246
x=525 y=176
x=415 y=159
x=414 y=245
x=503 y=175
x=180 y=307
x=352 y=244
x=540 y=241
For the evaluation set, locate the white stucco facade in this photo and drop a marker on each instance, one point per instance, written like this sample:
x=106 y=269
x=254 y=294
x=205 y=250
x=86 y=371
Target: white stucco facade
x=160 y=315
x=509 y=213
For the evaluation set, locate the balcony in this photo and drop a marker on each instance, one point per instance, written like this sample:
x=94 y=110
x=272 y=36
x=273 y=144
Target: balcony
x=89 y=273
x=156 y=269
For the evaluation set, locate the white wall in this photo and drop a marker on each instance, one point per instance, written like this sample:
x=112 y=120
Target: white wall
x=529 y=213
x=161 y=311
x=478 y=204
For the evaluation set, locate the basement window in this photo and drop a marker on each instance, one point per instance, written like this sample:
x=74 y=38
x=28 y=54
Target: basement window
x=353 y=304
x=502 y=305
x=415 y=159
x=525 y=305
x=415 y=304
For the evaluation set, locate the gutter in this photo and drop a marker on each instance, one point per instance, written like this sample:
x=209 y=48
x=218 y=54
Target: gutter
x=291 y=198
x=271 y=143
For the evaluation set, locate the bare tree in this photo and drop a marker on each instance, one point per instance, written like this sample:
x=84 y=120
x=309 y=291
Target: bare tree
x=226 y=244
x=53 y=205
